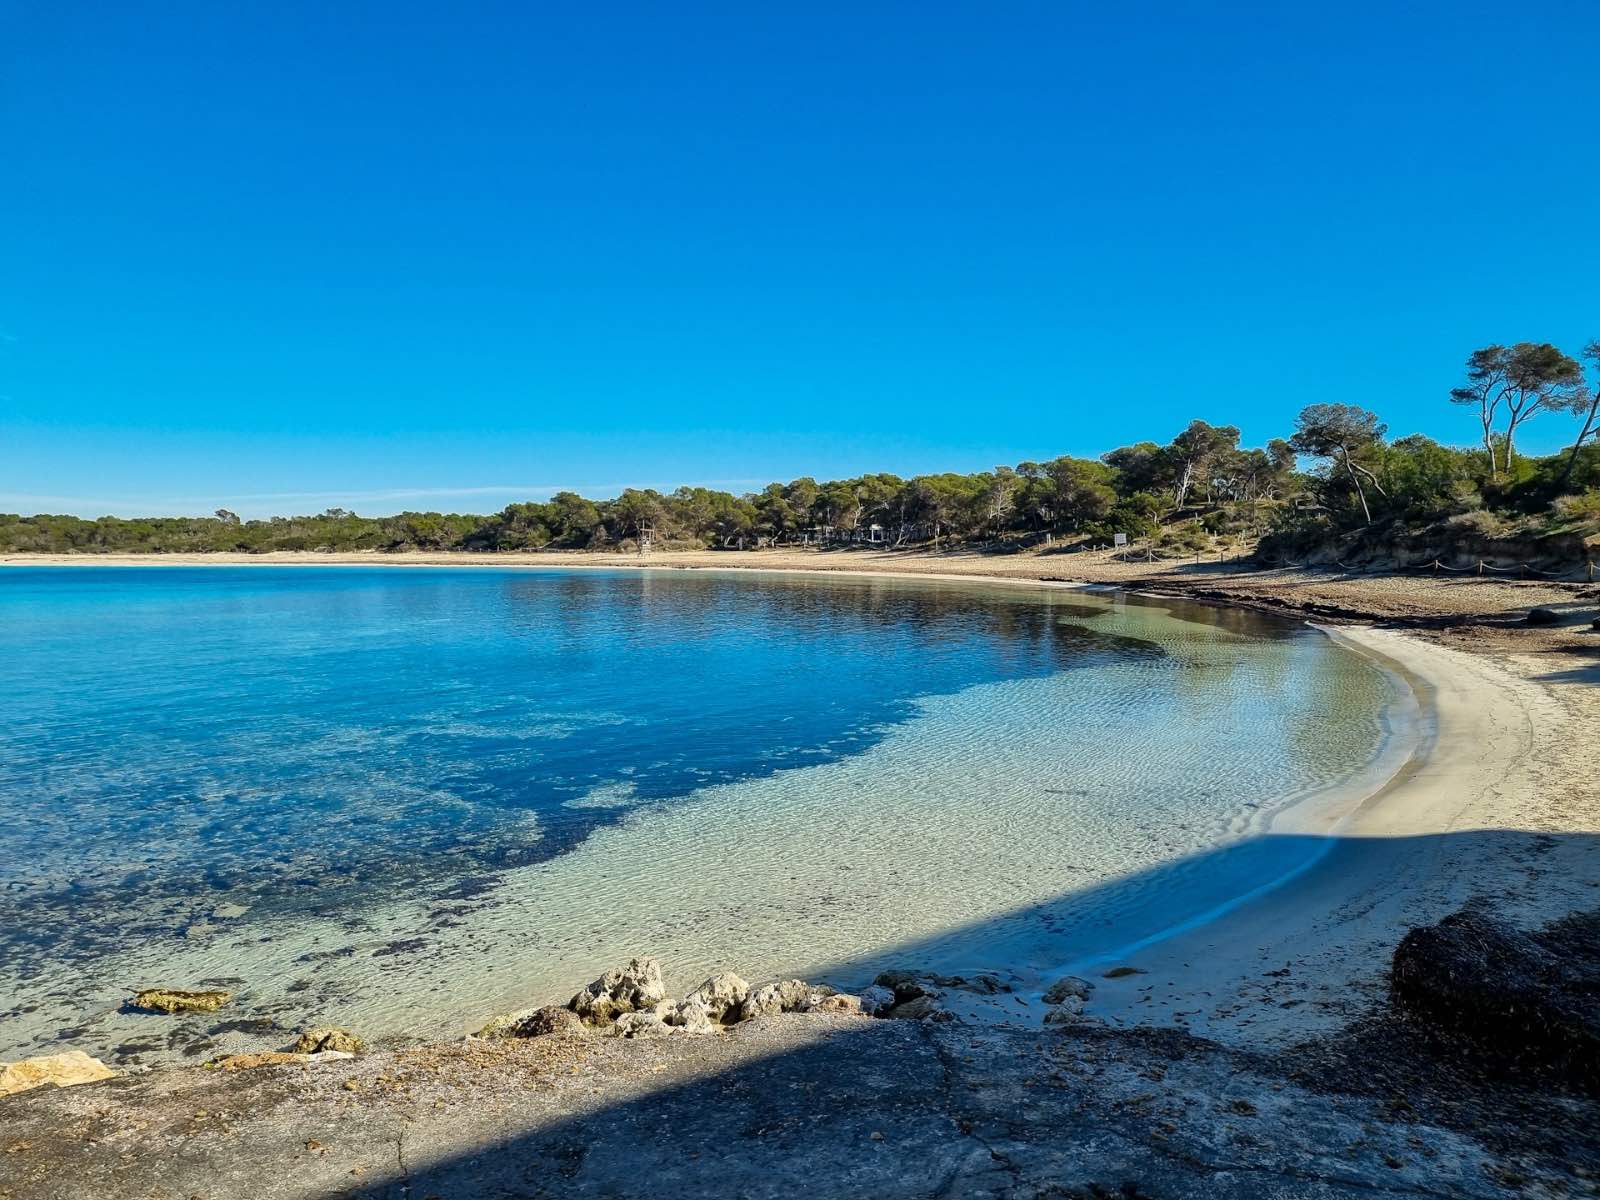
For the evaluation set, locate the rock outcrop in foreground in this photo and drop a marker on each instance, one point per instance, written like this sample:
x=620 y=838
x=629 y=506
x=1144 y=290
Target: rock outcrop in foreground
x=786 y=1089
x=1528 y=1000
x=631 y=1002
x=52 y=1070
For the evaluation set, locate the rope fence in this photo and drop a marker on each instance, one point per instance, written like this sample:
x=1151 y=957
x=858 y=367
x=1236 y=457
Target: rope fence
x=1245 y=561
x=1586 y=572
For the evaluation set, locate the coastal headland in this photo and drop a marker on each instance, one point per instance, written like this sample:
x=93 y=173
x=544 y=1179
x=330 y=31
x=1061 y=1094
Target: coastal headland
x=1257 y=1053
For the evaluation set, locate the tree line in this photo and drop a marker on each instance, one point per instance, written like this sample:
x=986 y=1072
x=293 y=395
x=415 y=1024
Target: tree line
x=1337 y=472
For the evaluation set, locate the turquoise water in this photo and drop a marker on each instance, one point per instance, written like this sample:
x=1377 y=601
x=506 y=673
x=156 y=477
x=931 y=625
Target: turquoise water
x=413 y=795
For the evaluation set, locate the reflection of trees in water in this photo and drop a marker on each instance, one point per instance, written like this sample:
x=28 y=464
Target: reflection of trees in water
x=860 y=648
x=1020 y=631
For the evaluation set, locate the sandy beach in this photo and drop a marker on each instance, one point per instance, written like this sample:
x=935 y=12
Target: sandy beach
x=1506 y=769
x=1497 y=807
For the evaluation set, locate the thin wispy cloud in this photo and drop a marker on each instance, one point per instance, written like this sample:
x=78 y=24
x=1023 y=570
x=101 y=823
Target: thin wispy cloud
x=279 y=503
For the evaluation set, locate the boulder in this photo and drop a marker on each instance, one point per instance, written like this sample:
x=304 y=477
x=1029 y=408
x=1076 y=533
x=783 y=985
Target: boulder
x=905 y=985
x=533 y=1022
x=1066 y=1012
x=876 y=1000
x=918 y=1008
x=1066 y=988
x=328 y=1037
x=722 y=996
x=58 y=1070
x=176 y=1000
x=549 y=1021
x=634 y=988
x=1543 y=616
x=641 y=1025
x=691 y=1015
x=502 y=1024
x=1526 y=1000
x=790 y=995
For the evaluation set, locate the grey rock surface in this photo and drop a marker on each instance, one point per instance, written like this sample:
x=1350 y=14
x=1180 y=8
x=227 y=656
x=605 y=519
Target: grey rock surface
x=774 y=1107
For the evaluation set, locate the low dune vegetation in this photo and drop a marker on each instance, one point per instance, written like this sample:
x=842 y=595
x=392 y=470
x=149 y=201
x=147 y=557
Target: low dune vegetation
x=1338 y=487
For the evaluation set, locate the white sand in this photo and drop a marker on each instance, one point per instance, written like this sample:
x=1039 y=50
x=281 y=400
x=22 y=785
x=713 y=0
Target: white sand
x=1484 y=813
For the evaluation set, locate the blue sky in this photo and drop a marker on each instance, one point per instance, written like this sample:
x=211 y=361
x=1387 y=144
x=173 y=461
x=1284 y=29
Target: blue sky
x=281 y=256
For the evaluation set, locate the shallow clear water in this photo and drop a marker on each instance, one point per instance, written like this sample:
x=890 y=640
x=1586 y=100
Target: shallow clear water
x=436 y=793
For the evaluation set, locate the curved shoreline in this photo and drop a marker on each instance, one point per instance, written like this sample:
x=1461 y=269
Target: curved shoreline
x=1320 y=813
x=1501 y=805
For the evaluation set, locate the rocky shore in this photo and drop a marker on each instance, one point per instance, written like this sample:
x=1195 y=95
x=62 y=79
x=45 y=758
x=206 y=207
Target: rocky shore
x=1475 y=1078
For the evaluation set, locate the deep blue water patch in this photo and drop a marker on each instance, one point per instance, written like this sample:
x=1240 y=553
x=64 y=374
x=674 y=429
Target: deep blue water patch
x=315 y=736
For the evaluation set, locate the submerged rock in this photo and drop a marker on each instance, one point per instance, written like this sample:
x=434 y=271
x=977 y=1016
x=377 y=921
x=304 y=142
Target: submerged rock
x=1543 y=616
x=328 y=1037
x=636 y=987
x=59 y=1070
x=176 y=1000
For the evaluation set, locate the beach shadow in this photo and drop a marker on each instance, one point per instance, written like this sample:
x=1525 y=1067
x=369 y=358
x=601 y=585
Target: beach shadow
x=1586 y=660
x=890 y=1109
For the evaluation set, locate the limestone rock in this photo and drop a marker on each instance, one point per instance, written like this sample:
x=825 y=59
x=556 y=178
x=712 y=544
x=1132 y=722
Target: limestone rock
x=501 y=1024
x=634 y=988
x=175 y=1000
x=549 y=1021
x=641 y=1025
x=60 y=1070
x=785 y=996
x=1068 y=987
x=691 y=1015
x=722 y=996
x=328 y=1037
